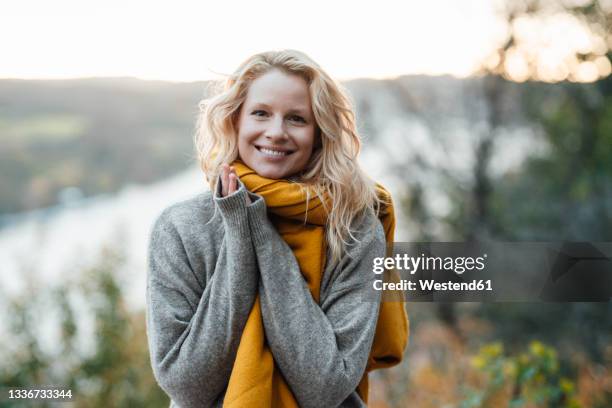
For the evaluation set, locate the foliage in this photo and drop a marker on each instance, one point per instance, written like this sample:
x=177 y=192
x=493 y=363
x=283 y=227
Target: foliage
x=531 y=377
x=443 y=370
x=573 y=175
x=113 y=370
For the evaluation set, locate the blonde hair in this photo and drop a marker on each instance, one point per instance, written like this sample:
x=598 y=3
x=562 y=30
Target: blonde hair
x=332 y=169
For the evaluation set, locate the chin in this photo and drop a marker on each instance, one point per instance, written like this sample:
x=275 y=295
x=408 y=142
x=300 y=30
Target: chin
x=271 y=173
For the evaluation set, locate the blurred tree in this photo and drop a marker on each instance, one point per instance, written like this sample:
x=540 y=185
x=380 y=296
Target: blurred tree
x=526 y=53
x=572 y=118
x=116 y=372
x=574 y=175
x=564 y=192
x=531 y=378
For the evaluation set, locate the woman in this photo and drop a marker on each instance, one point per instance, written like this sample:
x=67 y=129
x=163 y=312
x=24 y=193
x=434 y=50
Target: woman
x=259 y=292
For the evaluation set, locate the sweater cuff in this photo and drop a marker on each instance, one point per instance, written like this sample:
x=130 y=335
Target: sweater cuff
x=233 y=208
x=259 y=223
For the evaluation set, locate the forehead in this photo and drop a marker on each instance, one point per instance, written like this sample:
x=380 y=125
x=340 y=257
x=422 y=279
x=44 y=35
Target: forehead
x=278 y=89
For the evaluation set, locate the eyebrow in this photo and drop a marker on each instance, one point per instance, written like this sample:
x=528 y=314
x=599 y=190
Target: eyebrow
x=300 y=110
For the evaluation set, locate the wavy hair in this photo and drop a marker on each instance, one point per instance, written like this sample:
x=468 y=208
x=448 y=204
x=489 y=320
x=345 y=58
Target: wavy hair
x=332 y=169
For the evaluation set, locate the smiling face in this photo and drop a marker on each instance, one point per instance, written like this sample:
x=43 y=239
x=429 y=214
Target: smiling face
x=276 y=126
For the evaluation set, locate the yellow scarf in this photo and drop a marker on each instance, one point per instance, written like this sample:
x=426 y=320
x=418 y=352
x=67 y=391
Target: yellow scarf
x=255 y=380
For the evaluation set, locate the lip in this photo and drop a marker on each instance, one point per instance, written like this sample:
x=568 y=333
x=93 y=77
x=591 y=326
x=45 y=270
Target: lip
x=278 y=157
x=276 y=149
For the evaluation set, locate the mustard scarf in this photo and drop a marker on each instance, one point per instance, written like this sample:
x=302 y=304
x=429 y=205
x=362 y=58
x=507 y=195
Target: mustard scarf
x=255 y=380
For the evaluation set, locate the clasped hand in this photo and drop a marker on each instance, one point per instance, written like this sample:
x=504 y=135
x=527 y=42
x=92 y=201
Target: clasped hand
x=229 y=182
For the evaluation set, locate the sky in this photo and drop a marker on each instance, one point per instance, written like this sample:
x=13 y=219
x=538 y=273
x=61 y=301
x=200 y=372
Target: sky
x=187 y=40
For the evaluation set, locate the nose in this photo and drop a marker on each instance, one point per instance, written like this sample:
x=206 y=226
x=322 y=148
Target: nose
x=276 y=130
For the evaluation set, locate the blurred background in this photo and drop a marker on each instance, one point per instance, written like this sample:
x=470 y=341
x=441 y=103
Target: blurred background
x=487 y=120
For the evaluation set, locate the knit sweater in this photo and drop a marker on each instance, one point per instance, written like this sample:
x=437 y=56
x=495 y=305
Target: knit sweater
x=208 y=258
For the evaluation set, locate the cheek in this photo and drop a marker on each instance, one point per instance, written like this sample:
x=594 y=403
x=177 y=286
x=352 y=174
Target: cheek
x=308 y=140
x=251 y=130
x=240 y=140
x=243 y=143
x=246 y=132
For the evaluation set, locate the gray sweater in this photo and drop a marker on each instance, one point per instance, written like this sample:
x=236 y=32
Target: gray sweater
x=209 y=257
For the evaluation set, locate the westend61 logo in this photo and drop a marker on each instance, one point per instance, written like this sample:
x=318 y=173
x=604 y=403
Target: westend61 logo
x=413 y=264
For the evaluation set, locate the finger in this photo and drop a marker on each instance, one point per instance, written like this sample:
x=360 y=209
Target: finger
x=232 y=183
x=223 y=184
x=232 y=170
x=224 y=180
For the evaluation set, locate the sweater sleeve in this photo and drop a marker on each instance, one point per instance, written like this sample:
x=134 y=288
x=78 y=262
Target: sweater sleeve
x=193 y=343
x=322 y=350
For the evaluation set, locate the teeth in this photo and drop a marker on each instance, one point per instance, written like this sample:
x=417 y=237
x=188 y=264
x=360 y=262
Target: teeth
x=272 y=152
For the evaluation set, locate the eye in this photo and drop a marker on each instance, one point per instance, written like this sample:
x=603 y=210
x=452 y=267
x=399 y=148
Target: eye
x=259 y=113
x=297 y=118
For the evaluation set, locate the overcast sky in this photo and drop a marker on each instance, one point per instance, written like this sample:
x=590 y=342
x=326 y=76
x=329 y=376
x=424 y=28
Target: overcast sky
x=186 y=40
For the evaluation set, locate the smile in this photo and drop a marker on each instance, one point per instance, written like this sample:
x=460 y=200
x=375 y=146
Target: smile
x=272 y=152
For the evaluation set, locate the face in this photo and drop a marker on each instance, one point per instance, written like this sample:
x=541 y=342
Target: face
x=276 y=127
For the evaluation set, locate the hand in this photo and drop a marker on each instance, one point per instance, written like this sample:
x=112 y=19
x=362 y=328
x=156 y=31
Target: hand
x=229 y=182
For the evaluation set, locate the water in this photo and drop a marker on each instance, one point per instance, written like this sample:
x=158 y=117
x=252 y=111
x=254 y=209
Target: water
x=51 y=245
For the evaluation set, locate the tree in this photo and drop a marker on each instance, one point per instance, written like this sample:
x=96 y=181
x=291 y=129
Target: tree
x=115 y=372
